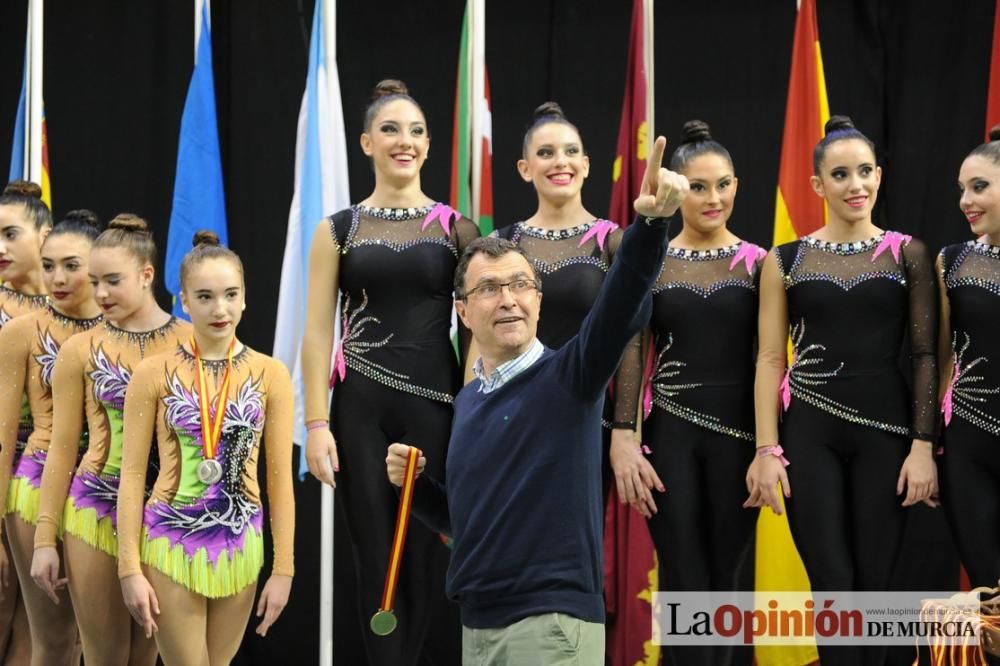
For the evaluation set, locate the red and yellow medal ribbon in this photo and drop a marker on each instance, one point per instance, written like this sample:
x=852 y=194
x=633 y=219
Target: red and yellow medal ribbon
x=211 y=429
x=399 y=538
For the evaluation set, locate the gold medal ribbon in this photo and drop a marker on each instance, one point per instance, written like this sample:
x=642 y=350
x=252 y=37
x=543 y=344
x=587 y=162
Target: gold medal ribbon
x=398 y=539
x=211 y=429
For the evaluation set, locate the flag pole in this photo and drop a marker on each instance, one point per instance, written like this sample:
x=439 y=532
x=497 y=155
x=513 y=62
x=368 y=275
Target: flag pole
x=34 y=96
x=329 y=32
x=648 y=60
x=477 y=49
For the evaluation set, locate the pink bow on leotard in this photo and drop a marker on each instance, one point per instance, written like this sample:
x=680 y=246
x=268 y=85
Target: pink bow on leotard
x=442 y=213
x=749 y=254
x=601 y=229
x=893 y=240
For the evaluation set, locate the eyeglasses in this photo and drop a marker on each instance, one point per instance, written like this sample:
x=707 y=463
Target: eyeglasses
x=491 y=290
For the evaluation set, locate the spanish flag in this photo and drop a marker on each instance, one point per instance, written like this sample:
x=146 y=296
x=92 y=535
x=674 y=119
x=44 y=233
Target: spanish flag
x=798 y=211
x=29 y=155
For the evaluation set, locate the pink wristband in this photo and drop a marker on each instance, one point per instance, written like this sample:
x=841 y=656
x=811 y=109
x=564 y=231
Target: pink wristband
x=317 y=425
x=775 y=451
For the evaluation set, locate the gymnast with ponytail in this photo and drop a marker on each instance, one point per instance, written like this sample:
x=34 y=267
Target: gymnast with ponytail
x=699 y=406
x=854 y=444
x=31 y=343
x=190 y=554
x=78 y=499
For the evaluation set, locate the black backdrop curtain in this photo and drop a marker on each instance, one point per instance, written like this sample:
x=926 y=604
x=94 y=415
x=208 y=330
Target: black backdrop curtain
x=913 y=75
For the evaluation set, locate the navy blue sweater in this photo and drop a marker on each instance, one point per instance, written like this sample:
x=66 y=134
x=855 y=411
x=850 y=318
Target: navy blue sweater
x=522 y=497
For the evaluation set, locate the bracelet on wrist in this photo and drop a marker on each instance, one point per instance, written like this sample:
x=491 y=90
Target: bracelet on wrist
x=773 y=450
x=317 y=424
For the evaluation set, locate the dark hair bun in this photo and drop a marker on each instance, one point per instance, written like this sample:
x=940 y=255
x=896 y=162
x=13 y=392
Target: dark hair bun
x=995 y=133
x=387 y=87
x=129 y=222
x=548 y=110
x=836 y=123
x=205 y=237
x=695 y=131
x=83 y=216
x=23 y=188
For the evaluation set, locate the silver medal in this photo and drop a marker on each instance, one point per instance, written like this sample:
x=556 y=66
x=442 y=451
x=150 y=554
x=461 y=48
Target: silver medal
x=209 y=471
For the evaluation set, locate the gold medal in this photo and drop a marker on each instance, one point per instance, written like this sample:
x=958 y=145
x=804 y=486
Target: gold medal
x=383 y=623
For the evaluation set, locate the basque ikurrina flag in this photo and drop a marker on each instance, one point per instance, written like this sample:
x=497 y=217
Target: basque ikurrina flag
x=472 y=133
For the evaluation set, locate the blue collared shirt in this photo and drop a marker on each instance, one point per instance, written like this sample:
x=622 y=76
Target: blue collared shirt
x=508 y=369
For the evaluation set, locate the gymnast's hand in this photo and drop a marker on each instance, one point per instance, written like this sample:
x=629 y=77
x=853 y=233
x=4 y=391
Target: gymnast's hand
x=662 y=190
x=918 y=475
x=273 y=600
x=321 y=455
x=45 y=572
x=762 y=483
x=395 y=463
x=140 y=599
x=635 y=477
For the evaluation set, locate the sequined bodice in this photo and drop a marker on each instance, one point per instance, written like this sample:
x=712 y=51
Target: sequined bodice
x=705 y=306
x=972 y=279
x=850 y=307
x=396 y=276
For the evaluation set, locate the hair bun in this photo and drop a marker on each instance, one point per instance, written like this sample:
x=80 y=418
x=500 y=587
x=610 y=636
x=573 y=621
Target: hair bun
x=23 y=188
x=836 y=123
x=205 y=237
x=695 y=131
x=129 y=222
x=83 y=216
x=548 y=110
x=995 y=132
x=387 y=87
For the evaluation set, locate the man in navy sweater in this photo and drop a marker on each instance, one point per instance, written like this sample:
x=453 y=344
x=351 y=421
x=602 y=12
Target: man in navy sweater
x=522 y=497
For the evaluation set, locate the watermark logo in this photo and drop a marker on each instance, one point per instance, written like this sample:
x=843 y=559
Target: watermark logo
x=824 y=618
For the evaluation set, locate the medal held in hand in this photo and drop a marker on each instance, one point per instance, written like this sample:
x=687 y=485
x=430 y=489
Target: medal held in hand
x=383 y=622
x=210 y=470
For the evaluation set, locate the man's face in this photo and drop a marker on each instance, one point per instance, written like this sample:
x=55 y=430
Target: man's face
x=504 y=323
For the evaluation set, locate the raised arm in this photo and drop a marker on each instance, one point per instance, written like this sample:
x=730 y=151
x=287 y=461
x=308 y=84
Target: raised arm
x=317 y=345
x=625 y=302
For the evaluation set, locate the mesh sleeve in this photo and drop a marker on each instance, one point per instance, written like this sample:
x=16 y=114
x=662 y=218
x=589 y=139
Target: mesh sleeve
x=923 y=329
